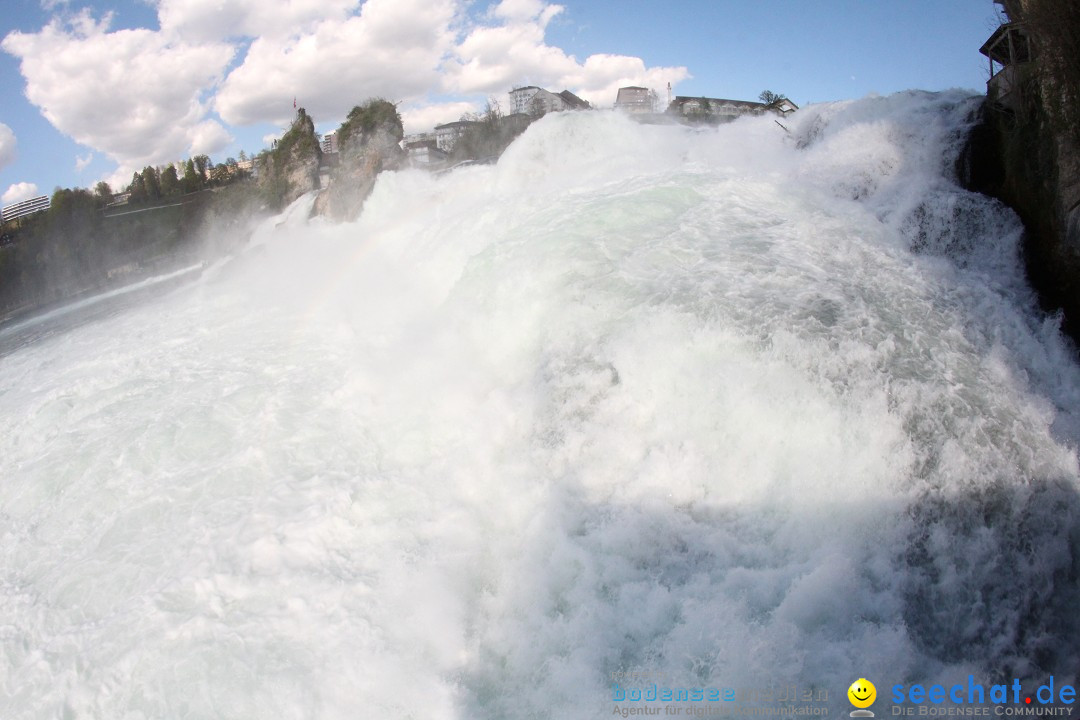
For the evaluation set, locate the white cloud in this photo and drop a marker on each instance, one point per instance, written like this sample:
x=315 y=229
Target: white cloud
x=209 y=20
x=404 y=50
x=120 y=178
x=18 y=192
x=600 y=77
x=392 y=49
x=81 y=161
x=131 y=94
x=425 y=118
x=492 y=58
x=209 y=137
x=144 y=96
x=7 y=145
x=526 y=10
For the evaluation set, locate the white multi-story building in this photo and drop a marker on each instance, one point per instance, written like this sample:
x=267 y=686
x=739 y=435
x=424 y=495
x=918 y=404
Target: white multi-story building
x=446 y=136
x=521 y=97
x=536 y=101
x=329 y=143
x=26 y=207
x=119 y=199
x=635 y=99
x=412 y=138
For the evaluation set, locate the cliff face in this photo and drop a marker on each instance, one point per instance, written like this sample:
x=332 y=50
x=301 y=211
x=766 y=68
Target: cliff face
x=369 y=142
x=1028 y=155
x=292 y=167
x=1021 y=160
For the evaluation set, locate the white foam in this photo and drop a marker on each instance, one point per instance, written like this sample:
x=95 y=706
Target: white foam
x=725 y=405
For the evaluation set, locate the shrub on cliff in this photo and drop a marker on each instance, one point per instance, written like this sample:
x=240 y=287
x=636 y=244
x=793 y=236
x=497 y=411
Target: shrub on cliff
x=364 y=120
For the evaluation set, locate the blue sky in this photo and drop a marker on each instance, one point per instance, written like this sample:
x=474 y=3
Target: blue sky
x=96 y=90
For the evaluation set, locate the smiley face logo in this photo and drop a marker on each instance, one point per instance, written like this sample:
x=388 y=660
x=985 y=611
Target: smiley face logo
x=862 y=693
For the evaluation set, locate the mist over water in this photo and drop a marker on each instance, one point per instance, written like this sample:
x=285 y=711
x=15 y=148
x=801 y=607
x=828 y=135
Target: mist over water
x=742 y=407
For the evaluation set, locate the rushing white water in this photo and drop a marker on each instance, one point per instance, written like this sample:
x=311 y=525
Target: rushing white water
x=735 y=407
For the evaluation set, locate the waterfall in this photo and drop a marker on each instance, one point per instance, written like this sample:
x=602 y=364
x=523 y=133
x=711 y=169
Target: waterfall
x=736 y=408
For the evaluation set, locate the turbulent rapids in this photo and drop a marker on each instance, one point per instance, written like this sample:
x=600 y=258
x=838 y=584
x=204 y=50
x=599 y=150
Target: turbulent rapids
x=741 y=407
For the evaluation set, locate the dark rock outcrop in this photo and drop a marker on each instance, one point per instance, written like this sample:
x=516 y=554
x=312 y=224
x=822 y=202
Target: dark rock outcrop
x=1019 y=161
x=292 y=167
x=369 y=142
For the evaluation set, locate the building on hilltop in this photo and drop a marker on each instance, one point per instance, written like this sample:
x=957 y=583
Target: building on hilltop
x=425 y=153
x=415 y=138
x=719 y=110
x=537 y=101
x=25 y=207
x=573 y=102
x=329 y=158
x=118 y=199
x=329 y=143
x=635 y=99
x=521 y=97
x=782 y=107
x=446 y=136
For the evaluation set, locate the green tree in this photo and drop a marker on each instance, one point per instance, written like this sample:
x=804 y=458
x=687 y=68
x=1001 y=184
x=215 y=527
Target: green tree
x=170 y=182
x=69 y=206
x=103 y=193
x=137 y=188
x=202 y=166
x=191 y=181
x=152 y=183
x=72 y=226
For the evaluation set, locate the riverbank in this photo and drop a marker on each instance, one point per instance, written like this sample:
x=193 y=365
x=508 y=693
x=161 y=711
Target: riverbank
x=79 y=251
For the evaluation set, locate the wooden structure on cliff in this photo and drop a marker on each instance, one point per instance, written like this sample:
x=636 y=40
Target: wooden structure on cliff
x=1007 y=49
